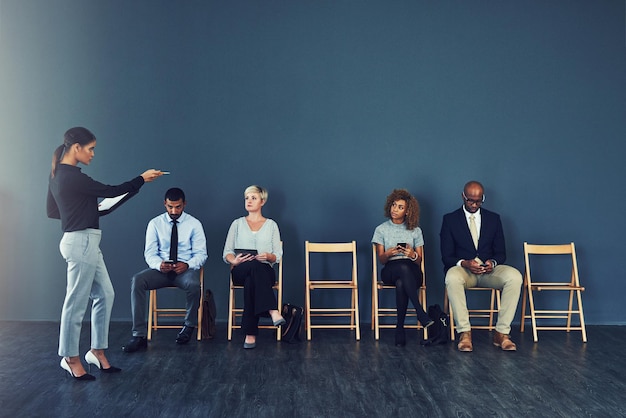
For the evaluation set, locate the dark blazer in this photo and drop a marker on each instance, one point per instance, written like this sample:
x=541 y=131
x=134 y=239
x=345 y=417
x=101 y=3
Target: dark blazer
x=457 y=244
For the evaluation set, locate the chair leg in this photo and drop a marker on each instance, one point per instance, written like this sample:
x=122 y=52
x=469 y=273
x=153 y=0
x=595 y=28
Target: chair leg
x=424 y=307
x=452 y=332
x=533 y=318
x=524 y=297
x=307 y=313
x=279 y=298
x=498 y=302
x=448 y=306
x=356 y=313
x=492 y=300
x=200 y=312
x=151 y=313
x=375 y=312
x=374 y=291
x=582 y=316
x=569 y=310
x=231 y=305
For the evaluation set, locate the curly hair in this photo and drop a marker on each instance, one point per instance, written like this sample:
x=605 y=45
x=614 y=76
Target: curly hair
x=412 y=216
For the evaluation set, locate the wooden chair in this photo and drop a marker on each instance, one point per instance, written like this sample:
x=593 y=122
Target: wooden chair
x=326 y=284
x=234 y=312
x=494 y=308
x=155 y=313
x=378 y=311
x=572 y=286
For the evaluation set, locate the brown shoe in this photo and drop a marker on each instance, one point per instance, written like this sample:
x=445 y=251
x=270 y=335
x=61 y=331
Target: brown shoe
x=465 y=341
x=504 y=342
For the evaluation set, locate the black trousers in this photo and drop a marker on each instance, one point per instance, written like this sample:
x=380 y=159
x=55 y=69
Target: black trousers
x=257 y=279
x=406 y=276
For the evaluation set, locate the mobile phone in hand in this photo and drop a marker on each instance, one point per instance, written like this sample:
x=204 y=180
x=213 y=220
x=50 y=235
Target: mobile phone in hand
x=402 y=244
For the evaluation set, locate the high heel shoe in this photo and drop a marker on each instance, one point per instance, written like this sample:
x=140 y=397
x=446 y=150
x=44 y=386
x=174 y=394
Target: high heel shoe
x=90 y=358
x=279 y=322
x=65 y=366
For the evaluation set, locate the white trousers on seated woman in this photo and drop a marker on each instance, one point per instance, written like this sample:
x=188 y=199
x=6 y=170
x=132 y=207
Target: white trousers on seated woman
x=87 y=278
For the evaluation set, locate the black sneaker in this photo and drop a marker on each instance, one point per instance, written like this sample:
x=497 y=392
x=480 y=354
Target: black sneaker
x=135 y=344
x=185 y=335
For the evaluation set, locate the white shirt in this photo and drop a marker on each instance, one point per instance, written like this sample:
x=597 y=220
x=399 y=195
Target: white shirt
x=191 y=241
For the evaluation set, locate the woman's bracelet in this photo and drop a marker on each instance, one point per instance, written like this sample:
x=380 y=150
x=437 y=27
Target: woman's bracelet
x=416 y=257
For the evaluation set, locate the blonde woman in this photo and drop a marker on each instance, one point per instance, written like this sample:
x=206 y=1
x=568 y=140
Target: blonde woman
x=252 y=247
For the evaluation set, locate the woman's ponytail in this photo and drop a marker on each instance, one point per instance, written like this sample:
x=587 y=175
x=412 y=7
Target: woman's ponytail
x=56 y=157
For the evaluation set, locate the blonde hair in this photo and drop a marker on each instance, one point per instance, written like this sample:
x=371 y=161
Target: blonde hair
x=256 y=189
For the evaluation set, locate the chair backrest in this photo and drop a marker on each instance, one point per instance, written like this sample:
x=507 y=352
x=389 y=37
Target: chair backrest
x=330 y=247
x=279 y=280
x=374 y=266
x=557 y=249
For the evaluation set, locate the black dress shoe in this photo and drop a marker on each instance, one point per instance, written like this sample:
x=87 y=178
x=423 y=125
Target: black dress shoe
x=135 y=344
x=185 y=335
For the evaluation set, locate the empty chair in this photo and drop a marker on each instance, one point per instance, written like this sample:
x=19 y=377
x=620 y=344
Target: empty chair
x=543 y=280
x=350 y=283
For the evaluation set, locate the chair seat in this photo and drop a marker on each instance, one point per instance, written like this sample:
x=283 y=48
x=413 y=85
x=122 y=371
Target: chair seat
x=555 y=286
x=155 y=313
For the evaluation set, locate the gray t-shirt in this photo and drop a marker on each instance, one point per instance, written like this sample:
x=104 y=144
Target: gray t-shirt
x=389 y=235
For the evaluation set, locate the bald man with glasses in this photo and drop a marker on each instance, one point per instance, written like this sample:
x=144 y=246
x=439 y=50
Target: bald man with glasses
x=473 y=254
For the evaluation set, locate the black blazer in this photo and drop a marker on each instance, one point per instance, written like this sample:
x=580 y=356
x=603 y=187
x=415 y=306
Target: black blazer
x=457 y=244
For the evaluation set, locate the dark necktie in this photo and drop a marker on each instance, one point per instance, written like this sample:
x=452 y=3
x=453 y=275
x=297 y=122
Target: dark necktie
x=174 y=242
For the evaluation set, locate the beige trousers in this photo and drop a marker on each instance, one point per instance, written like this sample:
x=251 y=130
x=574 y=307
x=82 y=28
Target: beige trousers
x=505 y=278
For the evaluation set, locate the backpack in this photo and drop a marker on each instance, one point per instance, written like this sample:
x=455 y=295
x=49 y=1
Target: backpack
x=290 y=332
x=209 y=313
x=439 y=332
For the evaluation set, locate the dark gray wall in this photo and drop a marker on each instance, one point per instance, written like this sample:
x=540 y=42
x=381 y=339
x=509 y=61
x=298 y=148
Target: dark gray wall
x=330 y=105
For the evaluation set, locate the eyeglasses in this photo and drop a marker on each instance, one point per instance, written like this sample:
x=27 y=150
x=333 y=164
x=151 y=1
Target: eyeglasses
x=474 y=201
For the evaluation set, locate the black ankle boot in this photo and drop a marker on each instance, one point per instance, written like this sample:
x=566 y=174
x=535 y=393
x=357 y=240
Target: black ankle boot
x=400 y=337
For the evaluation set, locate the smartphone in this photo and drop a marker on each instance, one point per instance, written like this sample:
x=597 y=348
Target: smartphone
x=401 y=244
x=169 y=262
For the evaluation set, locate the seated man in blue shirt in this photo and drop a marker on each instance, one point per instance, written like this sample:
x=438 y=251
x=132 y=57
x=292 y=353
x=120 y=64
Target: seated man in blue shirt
x=176 y=264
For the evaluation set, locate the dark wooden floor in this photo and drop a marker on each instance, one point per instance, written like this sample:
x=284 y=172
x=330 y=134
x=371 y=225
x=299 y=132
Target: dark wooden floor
x=331 y=376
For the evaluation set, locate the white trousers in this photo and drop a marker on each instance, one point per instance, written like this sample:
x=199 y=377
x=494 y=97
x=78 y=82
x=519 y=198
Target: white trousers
x=87 y=278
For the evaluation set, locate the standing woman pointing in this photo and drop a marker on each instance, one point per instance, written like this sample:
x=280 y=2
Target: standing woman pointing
x=73 y=198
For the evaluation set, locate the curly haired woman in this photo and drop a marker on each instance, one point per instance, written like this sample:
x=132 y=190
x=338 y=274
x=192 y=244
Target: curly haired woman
x=399 y=243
